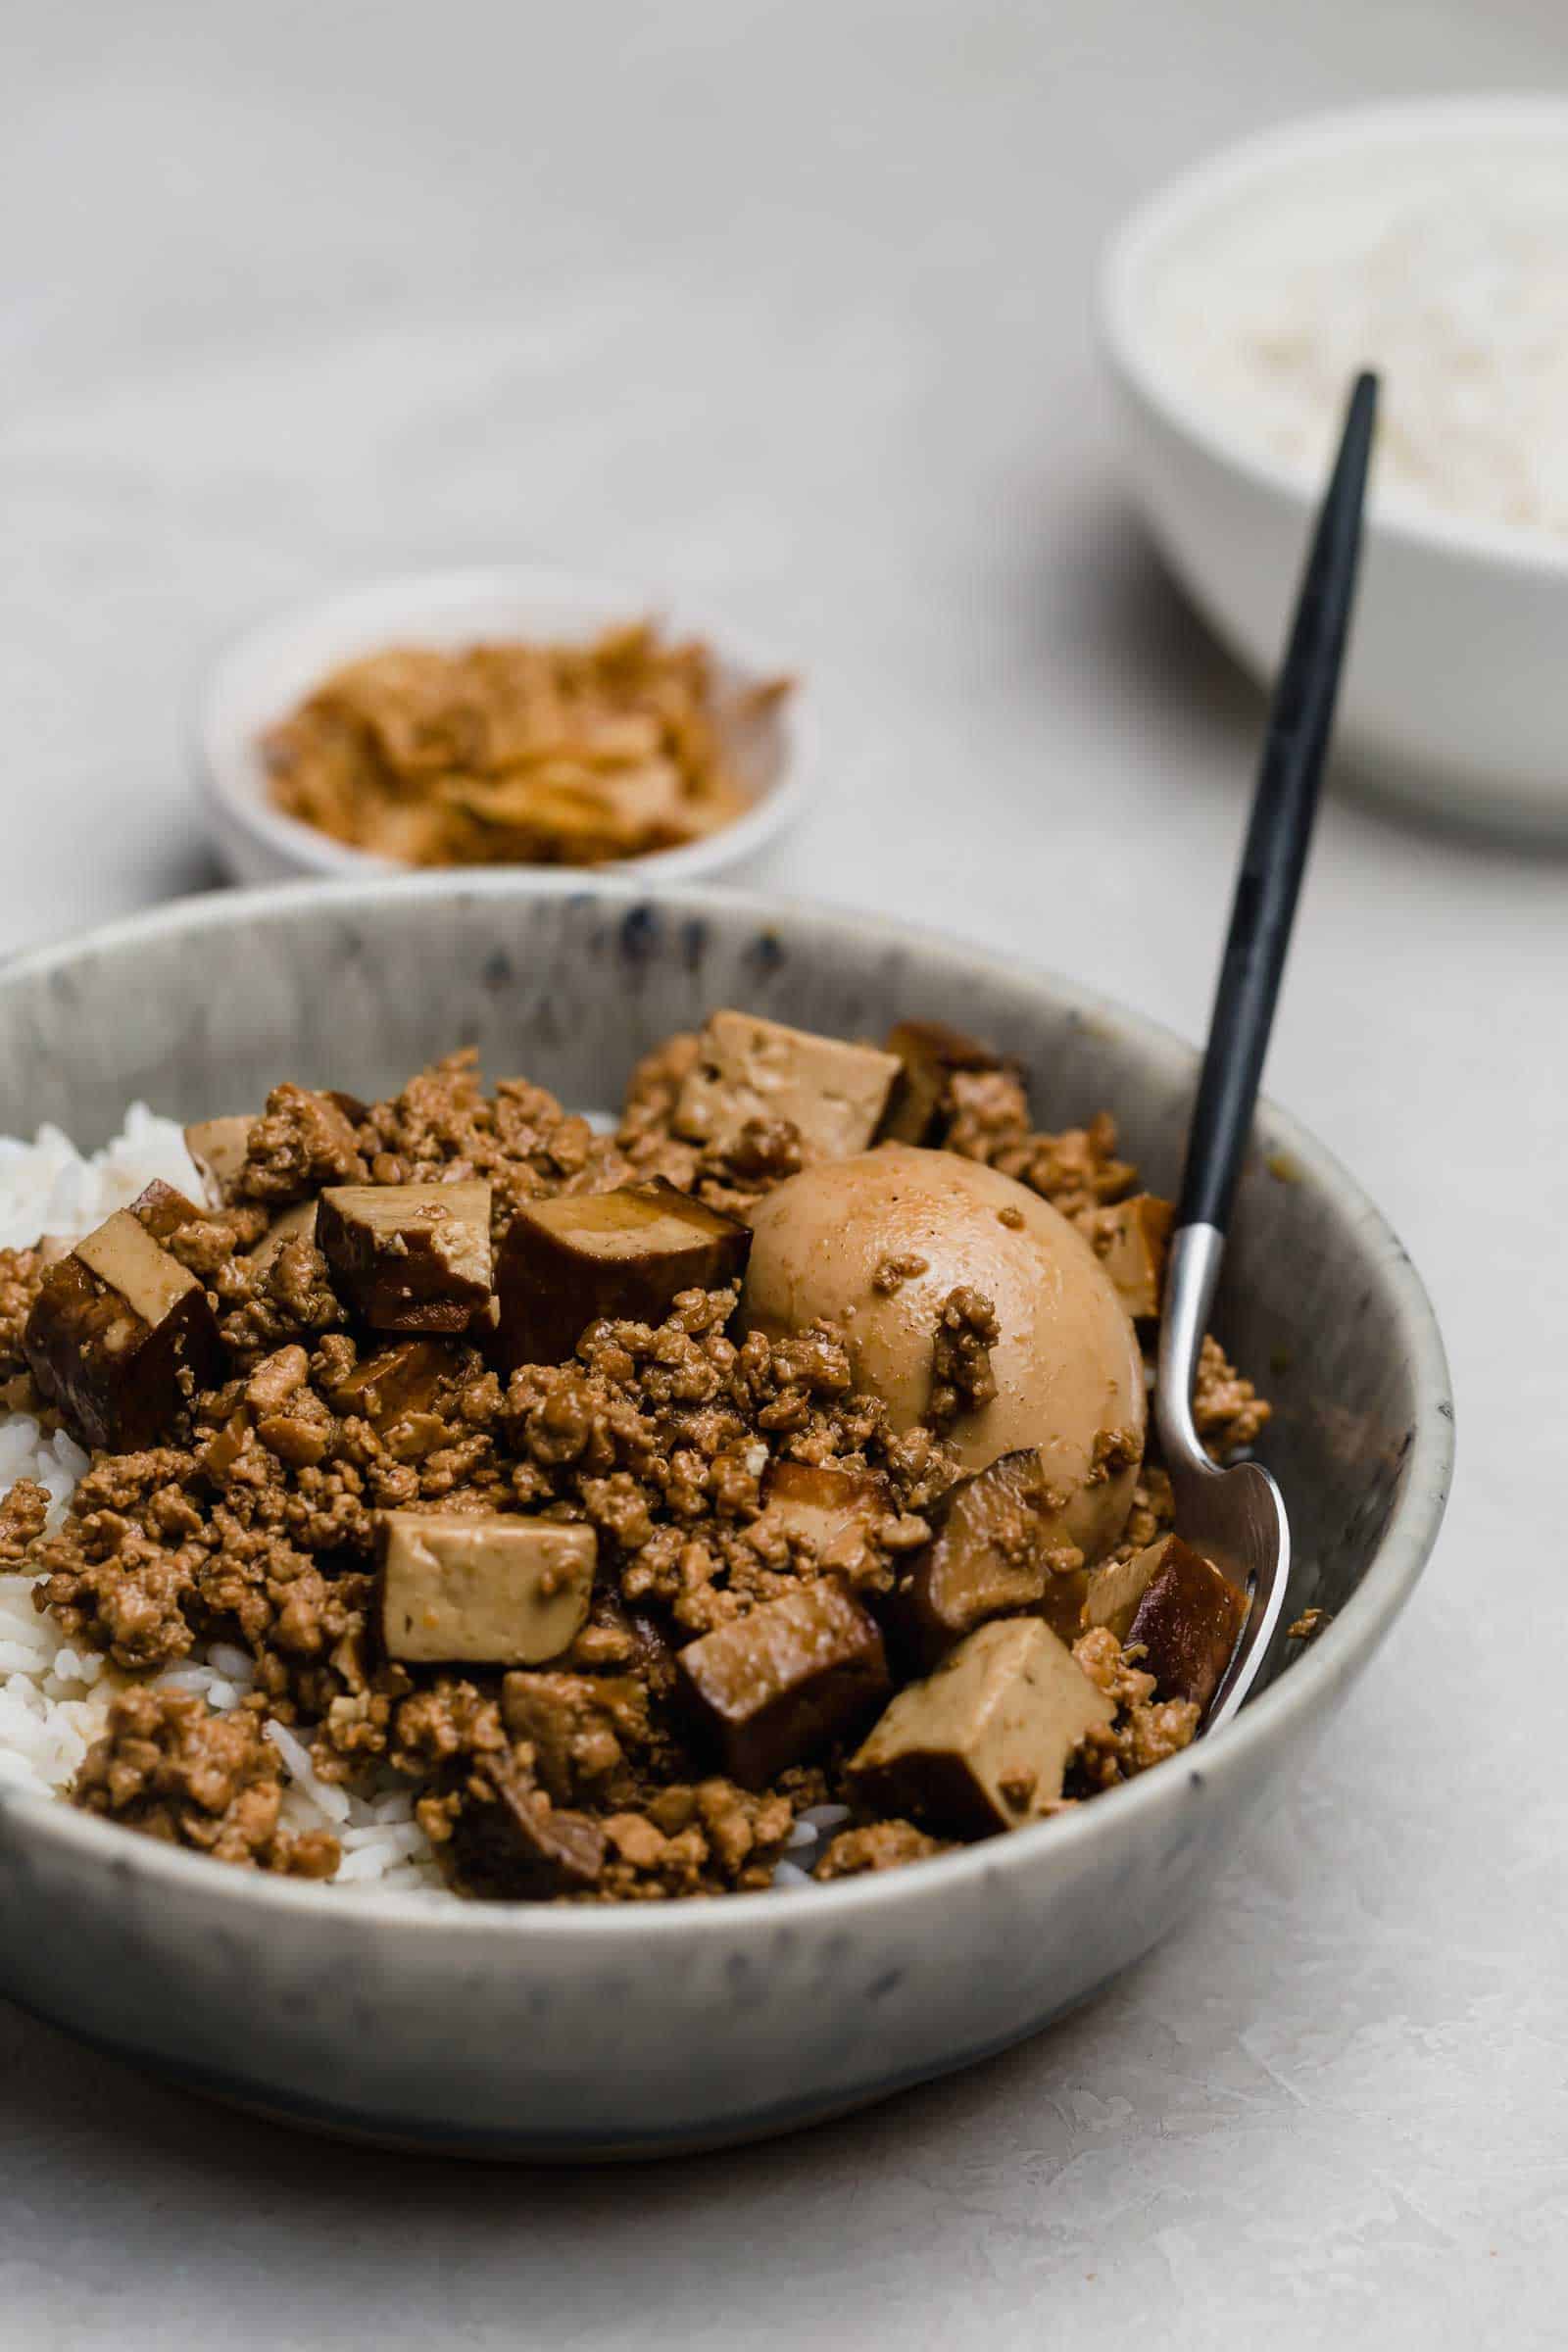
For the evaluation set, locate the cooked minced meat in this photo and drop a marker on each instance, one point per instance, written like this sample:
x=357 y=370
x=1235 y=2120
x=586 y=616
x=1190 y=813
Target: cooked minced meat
x=724 y=1473
x=168 y=1765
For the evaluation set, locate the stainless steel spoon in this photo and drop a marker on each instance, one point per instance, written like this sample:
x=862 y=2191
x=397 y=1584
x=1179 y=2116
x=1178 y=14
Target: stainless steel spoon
x=1236 y=1517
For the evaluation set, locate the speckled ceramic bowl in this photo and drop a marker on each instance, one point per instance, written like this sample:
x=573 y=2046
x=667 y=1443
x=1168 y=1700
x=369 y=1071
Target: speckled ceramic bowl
x=595 y=2032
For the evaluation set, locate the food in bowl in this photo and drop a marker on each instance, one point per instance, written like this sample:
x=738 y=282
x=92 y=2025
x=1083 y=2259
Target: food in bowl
x=1434 y=260
x=519 y=752
x=479 y=1500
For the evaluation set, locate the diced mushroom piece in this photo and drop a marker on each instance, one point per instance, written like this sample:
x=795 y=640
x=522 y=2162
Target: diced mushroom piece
x=833 y=1510
x=392 y=1382
x=997 y=1546
x=625 y=1255
x=122 y=1336
x=511 y=1841
x=219 y=1147
x=1186 y=1614
x=777 y=1686
x=1131 y=1239
x=297 y=1223
x=222 y=1449
x=408 y=1256
x=983 y=1743
x=579 y=1726
x=834 y=1094
x=928 y=1052
x=481 y=1590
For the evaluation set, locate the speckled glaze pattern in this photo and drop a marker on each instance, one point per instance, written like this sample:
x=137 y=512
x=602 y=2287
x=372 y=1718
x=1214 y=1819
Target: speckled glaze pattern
x=592 y=2033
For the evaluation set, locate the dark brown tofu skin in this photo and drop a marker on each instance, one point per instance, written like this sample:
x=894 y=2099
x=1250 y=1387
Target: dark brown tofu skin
x=162 y=1211
x=404 y=1258
x=121 y=1337
x=992 y=1554
x=393 y=1381
x=1132 y=1241
x=786 y=1679
x=930 y=1054
x=627 y=1256
x=1183 y=1615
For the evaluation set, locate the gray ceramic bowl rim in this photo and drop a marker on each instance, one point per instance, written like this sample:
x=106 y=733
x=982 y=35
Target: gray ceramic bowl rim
x=1308 y=1685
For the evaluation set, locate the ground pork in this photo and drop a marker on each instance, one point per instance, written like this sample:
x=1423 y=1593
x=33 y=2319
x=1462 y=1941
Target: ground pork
x=1146 y=1730
x=1074 y=1170
x=254 y=1521
x=1227 y=1409
x=880 y=1845
x=961 y=1377
x=168 y=1765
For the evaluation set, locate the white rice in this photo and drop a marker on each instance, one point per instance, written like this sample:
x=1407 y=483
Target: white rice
x=1439 y=264
x=54 y=1699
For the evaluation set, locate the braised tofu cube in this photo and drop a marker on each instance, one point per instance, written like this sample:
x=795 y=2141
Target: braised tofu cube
x=625 y=1255
x=983 y=1743
x=1131 y=1240
x=509 y=1841
x=997 y=1546
x=219 y=1149
x=832 y=1093
x=396 y=1381
x=928 y=1054
x=121 y=1337
x=832 y=1510
x=408 y=1256
x=780 y=1684
x=296 y=1223
x=481 y=1590
x=1173 y=1601
x=160 y=1210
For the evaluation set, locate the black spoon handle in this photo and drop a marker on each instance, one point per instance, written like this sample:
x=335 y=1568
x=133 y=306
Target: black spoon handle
x=1279 y=834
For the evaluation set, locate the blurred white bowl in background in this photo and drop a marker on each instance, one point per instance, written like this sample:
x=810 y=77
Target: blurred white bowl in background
x=1456 y=692
x=271 y=668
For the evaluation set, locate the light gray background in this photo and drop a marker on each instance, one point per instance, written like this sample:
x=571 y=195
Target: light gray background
x=788 y=306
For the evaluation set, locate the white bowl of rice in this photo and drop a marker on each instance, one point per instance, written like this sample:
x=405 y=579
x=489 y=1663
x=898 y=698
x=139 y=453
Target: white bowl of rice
x=1424 y=239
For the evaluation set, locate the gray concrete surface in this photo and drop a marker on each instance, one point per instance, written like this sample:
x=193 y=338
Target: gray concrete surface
x=789 y=308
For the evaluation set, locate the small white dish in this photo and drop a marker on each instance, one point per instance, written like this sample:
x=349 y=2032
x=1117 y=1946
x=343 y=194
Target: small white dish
x=268 y=671
x=1456 y=692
